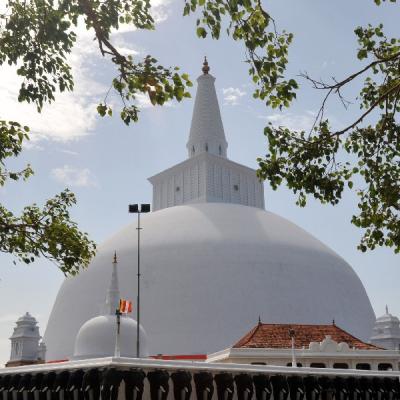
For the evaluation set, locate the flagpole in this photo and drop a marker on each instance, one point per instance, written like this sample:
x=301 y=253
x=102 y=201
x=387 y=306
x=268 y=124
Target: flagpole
x=138 y=290
x=135 y=209
x=292 y=335
x=117 y=352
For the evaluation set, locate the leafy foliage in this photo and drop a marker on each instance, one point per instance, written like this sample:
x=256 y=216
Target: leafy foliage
x=266 y=48
x=37 y=35
x=11 y=138
x=46 y=231
x=315 y=163
x=36 y=39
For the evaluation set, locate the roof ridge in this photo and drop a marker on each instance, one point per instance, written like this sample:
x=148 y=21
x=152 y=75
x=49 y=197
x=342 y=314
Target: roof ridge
x=290 y=324
x=354 y=337
x=251 y=335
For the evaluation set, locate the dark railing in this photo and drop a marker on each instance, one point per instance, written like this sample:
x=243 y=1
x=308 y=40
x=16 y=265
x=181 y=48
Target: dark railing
x=180 y=384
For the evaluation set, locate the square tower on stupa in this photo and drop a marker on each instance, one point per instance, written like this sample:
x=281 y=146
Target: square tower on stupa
x=207 y=175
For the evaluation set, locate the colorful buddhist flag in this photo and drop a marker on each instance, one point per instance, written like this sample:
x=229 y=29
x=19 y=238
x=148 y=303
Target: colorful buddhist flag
x=125 y=306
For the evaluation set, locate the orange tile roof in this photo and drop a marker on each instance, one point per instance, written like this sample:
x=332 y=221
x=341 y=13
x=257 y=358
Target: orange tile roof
x=276 y=336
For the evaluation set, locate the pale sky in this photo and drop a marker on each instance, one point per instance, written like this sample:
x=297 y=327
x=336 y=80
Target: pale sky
x=107 y=164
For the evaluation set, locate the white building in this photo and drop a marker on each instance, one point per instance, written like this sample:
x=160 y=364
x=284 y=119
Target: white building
x=213 y=259
x=314 y=346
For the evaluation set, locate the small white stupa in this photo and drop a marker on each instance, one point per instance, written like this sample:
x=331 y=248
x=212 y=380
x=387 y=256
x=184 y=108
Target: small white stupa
x=97 y=337
x=25 y=346
x=386 y=332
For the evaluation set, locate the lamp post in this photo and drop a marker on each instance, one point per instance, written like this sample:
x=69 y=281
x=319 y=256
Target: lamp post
x=135 y=209
x=117 y=351
x=292 y=335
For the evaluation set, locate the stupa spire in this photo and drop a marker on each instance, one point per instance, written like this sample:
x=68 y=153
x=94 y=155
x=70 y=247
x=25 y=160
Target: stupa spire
x=206 y=132
x=113 y=295
x=206 y=68
x=207 y=176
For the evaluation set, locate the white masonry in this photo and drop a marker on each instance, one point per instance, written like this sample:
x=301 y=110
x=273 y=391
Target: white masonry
x=207 y=175
x=25 y=340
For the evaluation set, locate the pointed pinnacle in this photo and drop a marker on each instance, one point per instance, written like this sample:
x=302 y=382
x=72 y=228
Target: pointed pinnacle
x=205 y=68
x=115 y=258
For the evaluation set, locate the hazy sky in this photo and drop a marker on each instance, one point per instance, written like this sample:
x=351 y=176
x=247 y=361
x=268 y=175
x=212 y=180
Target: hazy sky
x=107 y=164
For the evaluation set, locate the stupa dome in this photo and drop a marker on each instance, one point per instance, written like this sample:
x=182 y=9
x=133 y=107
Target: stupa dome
x=96 y=338
x=27 y=319
x=387 y=318
x=208 y=271
x=212 y=259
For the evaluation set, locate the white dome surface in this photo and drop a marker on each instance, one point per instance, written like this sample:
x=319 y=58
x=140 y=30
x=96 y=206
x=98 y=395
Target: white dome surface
x=96 y=338
x=208 y=271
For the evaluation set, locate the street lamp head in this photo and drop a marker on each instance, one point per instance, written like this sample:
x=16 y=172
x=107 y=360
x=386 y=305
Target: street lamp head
x=292 y=333
x=145 y=208
x=133 y=208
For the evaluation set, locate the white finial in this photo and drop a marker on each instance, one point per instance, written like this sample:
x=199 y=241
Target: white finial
x=113 y=295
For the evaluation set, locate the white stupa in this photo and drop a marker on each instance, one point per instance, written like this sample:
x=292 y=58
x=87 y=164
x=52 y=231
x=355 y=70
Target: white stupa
x=26 y=347
x=97 y=336
x=386 y=332
x=213 y=259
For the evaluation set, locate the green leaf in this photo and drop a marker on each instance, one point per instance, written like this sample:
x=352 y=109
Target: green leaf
x=201 y=32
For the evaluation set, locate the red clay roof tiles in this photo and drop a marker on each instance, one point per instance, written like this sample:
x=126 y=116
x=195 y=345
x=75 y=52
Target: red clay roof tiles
x=276 y=336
